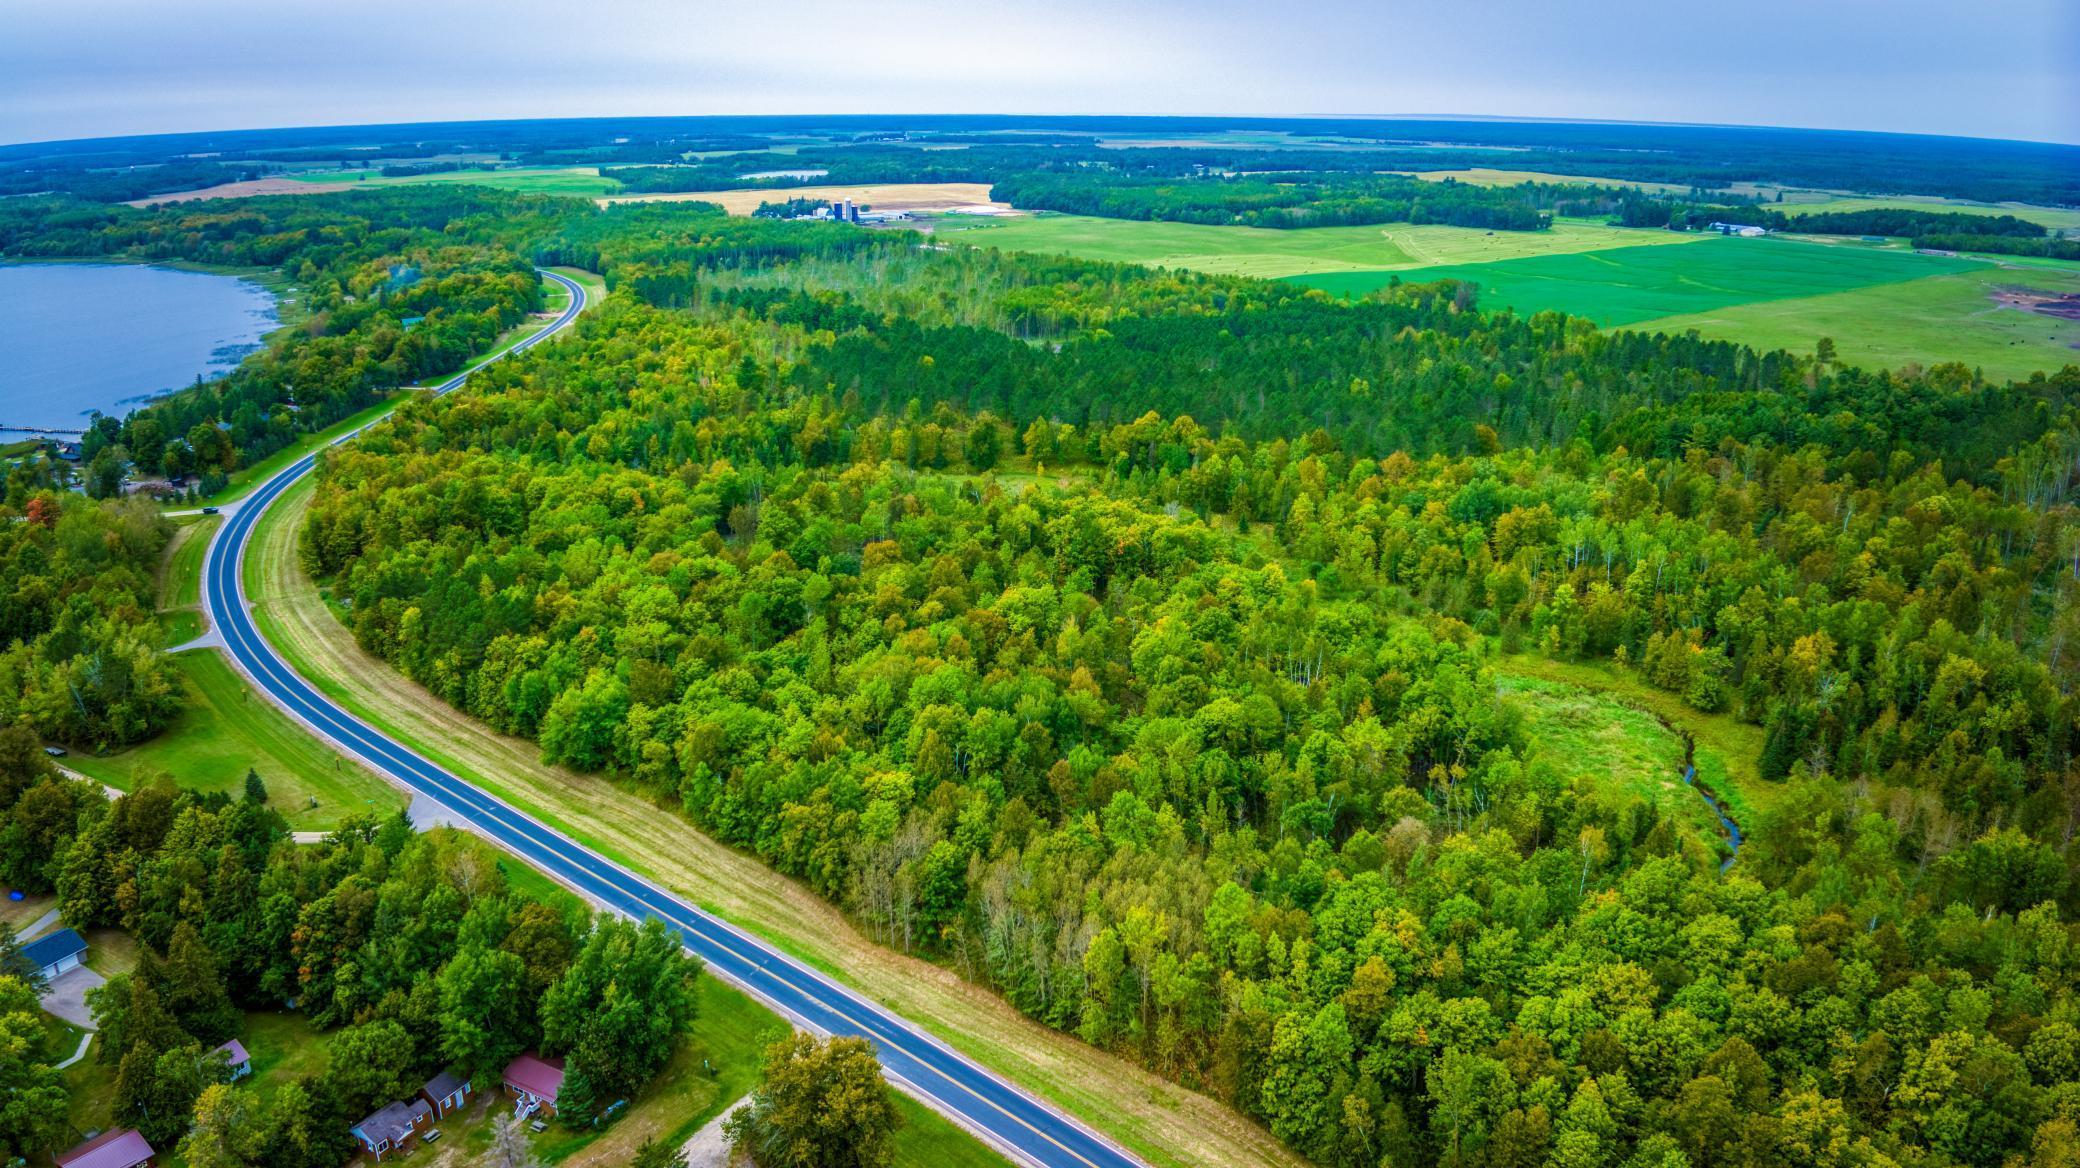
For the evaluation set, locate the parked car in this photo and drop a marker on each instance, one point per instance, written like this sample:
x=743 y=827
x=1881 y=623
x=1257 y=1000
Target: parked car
x=54 y=751
x=209 y=510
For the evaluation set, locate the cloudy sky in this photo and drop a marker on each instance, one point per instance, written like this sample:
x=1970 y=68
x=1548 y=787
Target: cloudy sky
x=1989 y=68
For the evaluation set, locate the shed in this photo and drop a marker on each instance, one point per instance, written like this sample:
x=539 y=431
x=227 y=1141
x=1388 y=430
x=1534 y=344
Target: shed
x=236 y=1058
x=533 y=1081
x=55 y=954
x=390 y=1129
x=447 y=1092
x=125 y=1148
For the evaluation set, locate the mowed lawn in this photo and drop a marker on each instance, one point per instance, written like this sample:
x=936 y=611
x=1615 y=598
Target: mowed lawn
x=223 y=729
x=1263 y=252
x=1628 y=285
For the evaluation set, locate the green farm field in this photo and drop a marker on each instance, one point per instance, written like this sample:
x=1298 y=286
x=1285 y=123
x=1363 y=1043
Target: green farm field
x=540 y=180
x=1936 y=318
x=1258 y=251
x=1628 y=285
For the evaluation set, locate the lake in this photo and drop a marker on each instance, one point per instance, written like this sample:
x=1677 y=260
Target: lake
x=80 y=337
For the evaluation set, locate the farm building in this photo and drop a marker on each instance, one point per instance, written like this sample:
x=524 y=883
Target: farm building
x=114 y=1149
x=533 y=1081
x=236 y=1058
x=392 y=1128
x=61 y=951
x=1744 y=229
x=446 y=1092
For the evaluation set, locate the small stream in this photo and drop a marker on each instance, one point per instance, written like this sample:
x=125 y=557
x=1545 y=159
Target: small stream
x=1733 y=830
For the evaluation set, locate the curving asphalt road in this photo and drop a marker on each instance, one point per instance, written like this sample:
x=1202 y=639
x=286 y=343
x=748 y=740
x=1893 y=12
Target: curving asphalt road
x=1020 y=1126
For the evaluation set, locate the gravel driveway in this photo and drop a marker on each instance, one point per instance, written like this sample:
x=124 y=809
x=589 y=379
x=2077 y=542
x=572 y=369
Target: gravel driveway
x=67 y=997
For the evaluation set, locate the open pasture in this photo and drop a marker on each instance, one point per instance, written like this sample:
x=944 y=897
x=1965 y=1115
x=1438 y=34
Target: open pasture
x=1953 y=317
x=1627 y=285
x=1258 y=251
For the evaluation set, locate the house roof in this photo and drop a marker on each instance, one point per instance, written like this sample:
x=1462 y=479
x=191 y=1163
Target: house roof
x=235 y=1052
x=54 y=948
x=123 y=1148
x=443 y=1085
x=539 y=1077
x=394 y=1122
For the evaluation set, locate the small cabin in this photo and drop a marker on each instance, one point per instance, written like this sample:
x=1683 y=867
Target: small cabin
x=125 y=1148
x=235 y=1058
x=446 y=1092
x=60 y=952
x=393 y=1128
x=532 y=1083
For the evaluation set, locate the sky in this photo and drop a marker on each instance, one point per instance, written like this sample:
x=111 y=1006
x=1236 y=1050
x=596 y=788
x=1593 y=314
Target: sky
x=1982 y=68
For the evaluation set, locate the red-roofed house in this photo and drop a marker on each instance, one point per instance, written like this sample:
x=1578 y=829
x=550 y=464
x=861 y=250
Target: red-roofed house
x=113 y=1149
x=533 y=1081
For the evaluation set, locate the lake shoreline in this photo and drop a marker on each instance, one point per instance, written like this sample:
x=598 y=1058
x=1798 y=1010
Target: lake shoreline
x=165 y=363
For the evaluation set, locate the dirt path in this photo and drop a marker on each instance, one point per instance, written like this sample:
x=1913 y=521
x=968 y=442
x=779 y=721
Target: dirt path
x=1158 y=1120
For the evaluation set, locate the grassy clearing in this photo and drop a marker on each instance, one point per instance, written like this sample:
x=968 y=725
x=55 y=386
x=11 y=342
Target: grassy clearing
x=1950 y=317
x=1258 y=251
x=180 y=576
x=1163 y=1123
x=223 y=729
x=1726 y=748
x=926 y=1140
x=534 y=180
x=1627 y=285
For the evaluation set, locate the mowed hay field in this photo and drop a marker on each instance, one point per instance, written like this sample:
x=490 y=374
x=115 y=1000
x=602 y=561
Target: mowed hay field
x=1884 y=307
x=1258 y=251
x=1631 y=284
x=879 y=196
x=1937 y=318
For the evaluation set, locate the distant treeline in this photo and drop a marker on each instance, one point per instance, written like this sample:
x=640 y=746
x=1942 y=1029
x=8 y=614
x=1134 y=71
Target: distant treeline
x=414 y=169
x=1254 y=202
x=1637 y=211
x=1701 y=156
x=119 y=185
x=2055 y=249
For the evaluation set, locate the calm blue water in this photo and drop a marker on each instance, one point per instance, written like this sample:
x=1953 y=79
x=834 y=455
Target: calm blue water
x=80 y=337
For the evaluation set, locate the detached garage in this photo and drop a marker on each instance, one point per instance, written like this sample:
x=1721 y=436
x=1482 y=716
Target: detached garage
x=61 y=951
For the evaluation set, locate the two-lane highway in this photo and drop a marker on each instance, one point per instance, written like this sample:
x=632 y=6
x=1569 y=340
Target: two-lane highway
x=1019 y=1125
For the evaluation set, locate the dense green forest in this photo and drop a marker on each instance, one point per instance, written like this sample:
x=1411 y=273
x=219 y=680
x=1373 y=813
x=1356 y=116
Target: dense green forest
x=1127 y=641
x=79 y=640
x=411 y=950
